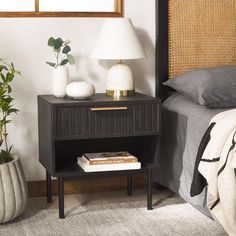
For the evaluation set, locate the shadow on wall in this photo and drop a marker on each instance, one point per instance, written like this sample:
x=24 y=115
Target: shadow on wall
x=90 y=70
x=143 y=69
x=24 y=127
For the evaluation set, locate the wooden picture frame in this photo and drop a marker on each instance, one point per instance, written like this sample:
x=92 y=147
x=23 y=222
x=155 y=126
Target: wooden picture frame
x=118 y=12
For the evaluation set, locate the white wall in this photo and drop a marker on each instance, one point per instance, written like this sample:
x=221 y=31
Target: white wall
x=24 y=41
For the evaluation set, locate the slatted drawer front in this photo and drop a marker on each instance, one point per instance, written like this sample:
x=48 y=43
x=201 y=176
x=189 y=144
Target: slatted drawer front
x=106 y=120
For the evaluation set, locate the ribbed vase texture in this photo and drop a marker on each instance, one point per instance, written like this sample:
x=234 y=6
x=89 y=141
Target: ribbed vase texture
x=13 y=190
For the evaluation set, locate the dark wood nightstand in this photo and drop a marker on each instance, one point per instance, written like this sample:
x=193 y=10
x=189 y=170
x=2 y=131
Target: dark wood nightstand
x=69 y=128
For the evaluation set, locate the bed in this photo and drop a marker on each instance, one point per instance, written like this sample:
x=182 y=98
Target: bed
x=184 y=123
x=190 y=34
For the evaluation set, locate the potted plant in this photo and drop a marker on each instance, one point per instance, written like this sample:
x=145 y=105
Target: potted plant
x=13 y=188
x=61 y=51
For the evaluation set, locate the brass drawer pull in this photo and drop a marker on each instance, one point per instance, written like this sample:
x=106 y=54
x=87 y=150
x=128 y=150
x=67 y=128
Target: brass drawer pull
x=109 y=108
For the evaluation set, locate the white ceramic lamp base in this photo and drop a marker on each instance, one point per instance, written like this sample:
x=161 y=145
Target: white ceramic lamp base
x=120 y=81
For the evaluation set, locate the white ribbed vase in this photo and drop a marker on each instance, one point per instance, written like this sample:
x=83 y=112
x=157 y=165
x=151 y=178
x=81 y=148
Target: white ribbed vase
x=13 y=190
x=60 y=80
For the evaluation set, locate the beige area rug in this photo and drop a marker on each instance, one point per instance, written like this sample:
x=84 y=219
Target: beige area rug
x=112 y=214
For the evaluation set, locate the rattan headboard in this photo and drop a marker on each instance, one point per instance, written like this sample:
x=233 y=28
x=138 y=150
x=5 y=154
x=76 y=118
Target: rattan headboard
x=194 y=34
x=202 y=33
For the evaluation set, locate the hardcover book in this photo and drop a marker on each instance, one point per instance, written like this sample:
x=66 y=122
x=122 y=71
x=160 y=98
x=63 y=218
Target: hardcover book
x=109 y=158
x=83 y=163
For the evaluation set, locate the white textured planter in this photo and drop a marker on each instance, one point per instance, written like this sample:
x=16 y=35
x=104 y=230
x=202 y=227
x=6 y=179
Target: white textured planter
x=59 y=81
x=13 y=190
x=80 y=90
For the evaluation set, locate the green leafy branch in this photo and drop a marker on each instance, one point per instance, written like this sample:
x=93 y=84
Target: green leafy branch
x=61 y=51
x=7 y=74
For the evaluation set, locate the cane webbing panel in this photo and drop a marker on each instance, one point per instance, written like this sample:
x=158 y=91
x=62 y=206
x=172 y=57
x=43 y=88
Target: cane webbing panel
x=202 y=33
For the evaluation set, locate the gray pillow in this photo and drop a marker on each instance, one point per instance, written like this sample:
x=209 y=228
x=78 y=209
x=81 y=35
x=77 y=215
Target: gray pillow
x=211 y=87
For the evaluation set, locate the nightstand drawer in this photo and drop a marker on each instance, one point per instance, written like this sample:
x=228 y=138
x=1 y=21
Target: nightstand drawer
x=107 y=120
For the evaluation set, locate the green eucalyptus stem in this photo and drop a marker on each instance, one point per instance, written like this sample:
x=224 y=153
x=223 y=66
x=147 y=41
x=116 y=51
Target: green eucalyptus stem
x=57 y=59
x=61 y=51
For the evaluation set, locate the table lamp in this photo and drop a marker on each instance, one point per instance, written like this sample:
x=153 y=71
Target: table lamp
x=118 y=41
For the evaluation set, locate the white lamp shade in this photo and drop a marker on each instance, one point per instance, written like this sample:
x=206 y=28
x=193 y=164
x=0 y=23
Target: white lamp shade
x=118 y=41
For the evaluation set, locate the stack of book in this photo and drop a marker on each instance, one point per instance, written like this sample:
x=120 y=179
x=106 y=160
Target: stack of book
x=108 y=161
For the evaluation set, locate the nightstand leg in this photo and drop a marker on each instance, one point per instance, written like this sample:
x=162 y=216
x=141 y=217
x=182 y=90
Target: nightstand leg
x=129 y=185
x=149 y=189
x=61 y=197
x=49 y=187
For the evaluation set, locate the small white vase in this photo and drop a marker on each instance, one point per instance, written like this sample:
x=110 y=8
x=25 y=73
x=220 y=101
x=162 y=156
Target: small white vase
x=59 y=81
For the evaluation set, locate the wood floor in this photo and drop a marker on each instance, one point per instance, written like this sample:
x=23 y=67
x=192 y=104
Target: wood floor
x=75 y=200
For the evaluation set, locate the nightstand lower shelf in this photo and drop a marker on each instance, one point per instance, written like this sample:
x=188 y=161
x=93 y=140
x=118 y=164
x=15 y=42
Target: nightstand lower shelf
x=73 y=170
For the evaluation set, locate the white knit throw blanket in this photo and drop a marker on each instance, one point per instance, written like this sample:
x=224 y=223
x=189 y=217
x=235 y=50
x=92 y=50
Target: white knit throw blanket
x=218 y=165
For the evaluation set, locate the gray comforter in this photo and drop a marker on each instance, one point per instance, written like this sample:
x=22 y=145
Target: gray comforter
x=184 y=123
